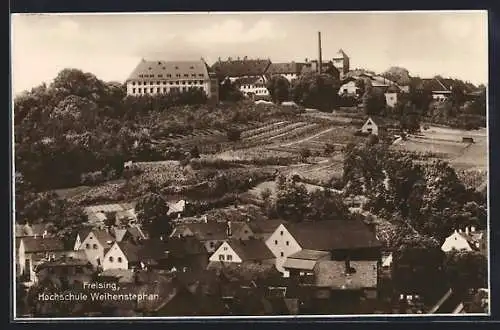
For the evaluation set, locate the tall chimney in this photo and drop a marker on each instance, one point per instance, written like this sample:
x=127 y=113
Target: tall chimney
x=320 y=62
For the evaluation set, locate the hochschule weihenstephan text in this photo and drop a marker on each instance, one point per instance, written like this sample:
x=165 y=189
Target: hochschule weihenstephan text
x=96 y=296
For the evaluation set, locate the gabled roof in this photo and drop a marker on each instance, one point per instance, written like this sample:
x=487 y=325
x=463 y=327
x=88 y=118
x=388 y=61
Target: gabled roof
x=333 y=235
x=48 y=244
x=239 y=68
x=285 y=68
x=435 y=85
x=119 y=233
x=136 y=233
x=247 y=81
x=309 y=254
x=331 y=274
x=251 y=250
x=265 y=226
x=160 y=69
x=340 y=54
x=380 y=122
x=131 y=251
x=184 y=247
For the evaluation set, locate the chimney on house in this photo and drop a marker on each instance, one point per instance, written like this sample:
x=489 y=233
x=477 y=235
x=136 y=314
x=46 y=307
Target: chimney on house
x=460 y=230
x=229 y=232
x=320 y=62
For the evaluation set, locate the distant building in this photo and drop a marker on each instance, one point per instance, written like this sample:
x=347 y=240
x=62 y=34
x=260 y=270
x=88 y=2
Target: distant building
x=290 y=71
x=348 y=87
x=234 y=69
x=469 y=239
x=153 y=77
x=95 y=243
x=439 y=89
x=391 y=95
x=253 y=87
x=372 y=126
x=34 y=251
x=326 y=67
x=341 y=62
x=121 y=256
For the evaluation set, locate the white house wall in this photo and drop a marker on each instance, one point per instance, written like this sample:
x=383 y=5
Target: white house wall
x=282 y=244
x=455 y=242
x=226 y=251
x=113 y=257
x=93 y=249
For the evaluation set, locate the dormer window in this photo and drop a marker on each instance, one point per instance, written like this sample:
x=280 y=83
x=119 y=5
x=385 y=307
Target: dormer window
x=149 y=68
x=176 y=67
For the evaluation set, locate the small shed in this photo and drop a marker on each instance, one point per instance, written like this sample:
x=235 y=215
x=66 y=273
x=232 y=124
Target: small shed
x=372 y=126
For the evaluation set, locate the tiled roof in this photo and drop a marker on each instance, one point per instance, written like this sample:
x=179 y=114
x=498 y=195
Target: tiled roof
x=333 y=235
x=103 y=237
x=309 y=255
x=239 y=68
x=250 y=250
x=118 y=233
x=184 y=246
x=264 y=226
x=247 y=81
x=331 y=273
x=293 y=263
x=284 y=68
x=435 y=85
x=48 y=244
x=136 y=233
x=168 y=70
x=123 y=275
x=130 y=250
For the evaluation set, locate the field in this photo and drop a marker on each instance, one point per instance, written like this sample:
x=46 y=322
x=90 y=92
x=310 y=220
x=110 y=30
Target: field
x=447 y=143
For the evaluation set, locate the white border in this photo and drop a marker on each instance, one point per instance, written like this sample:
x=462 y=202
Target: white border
x=330 y=317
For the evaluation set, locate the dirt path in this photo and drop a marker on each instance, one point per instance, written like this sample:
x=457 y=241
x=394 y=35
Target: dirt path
x=307 y=138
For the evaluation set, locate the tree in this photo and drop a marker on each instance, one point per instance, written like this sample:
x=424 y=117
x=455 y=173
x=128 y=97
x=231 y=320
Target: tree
x=400 y=76
x=279 y=88
x=466 y=270
x=318 y=91
x=195 y=152
x=152 y=214
x=229 y=91
x=373 y=100
x=360 y=84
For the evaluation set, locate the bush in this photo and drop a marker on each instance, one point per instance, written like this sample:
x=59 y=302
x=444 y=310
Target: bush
x=234 y=134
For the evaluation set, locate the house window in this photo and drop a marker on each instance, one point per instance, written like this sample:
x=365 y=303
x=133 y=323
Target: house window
x=225 y=248
x=164 y=82
x=221 y=257
x=229 y=257
x=158 y=89
x=157 y=82
x=178 y=75
x=164 y=89
x=151 y=90
x=169 y=75
x=119 y=259
x=110 y=259
x=139 y=90
x=190 y=82
x=186 y=75
x=193 y=75
x=87 y=246
x=183 y=82
x=212 y=244
x=281 y=233
x=177 y=82
x=275 y=242
x=200 y=75
x=94 y=246
x=133 y=90
x=201 y=82
x=133 y=83
x=282 y=254
x=287 y=243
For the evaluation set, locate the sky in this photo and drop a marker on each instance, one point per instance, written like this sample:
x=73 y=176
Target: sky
x=450 y=44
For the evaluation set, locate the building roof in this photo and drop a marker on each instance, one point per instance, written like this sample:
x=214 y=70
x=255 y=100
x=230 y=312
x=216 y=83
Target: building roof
x=136 y=233
x=309 y=254
x=249 y=250
x=97 y=213
x=80 y=260
x=240 y=68
x=265 y=226
x=247 y=81
x=331 y=274
x=333 y=235
x=119 y=233
x=48 y=244
x=123 y=275
x=167 y=70
x=435 y=85
x=292 y=263
x=102 y=236
x=131 y=251
x=285 y=68
x=340 y=54
x=208 y=231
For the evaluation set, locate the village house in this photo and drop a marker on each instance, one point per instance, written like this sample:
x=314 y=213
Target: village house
x=391 y=95
x=253 y=87
x=263 y=228
x=154 y=77
x=373 y=126
x=213 y=234
x=439 y=89
x=344 y=240
x=468 y=239
x=301 y=264
x=94 y=242
x=234 y=69
x=33 y=251
x=243 y=251
x=121 y=255
x=291 y=71
x=349 y=88
x=326 y=67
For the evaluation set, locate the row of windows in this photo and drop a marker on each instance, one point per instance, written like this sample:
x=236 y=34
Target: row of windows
x=178 y=75
x=276 y=242
x=94 y=246
x=258 y=91
x=159 y=90
x=251 y=86
x=228 y=257
x=189 y=82
x=111 y=259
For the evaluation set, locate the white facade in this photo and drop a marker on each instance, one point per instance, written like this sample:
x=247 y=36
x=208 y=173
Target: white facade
x=225 y=253
x=282 y=244
x=370 y=127
x=93 y=249
x=348 y=88
x=391 y=99
x=256 y=87
x=455 y=242
x=115 y=259
x=146 y=87
x=440 y=97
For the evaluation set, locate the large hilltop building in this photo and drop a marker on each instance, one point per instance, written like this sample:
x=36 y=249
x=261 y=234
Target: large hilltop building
x=341 y=62
x=152 y=77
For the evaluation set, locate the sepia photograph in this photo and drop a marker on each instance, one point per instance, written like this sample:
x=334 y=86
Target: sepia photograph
x=249 y=165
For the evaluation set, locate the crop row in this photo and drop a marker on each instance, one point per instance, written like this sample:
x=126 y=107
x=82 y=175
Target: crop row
x=262 y=129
